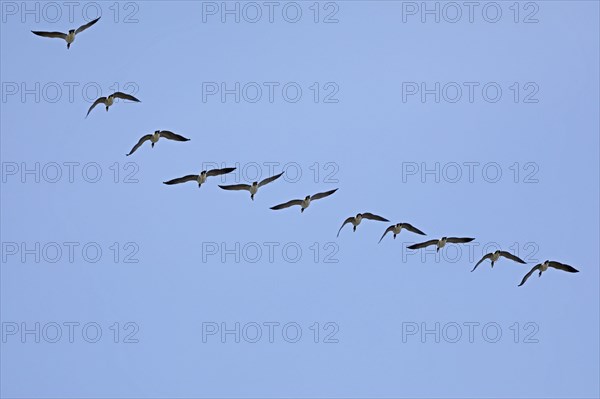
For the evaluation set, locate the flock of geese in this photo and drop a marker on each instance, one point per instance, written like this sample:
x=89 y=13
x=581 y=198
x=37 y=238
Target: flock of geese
x=302 y=203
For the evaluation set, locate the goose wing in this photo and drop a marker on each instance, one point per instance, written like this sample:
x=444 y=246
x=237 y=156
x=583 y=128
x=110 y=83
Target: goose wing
x=487 y=256
x=101 y=100
x=322 y=195
x=391 y=228
x=269 y=179
x=139 y=143
x=172 y=136
x=412 y=229
x=562 y=266
x=217 y=172
x=349 y=220
x=510 y=256
x=182 y=179
x=57 y=35
x=536 y=267
x=423 y=244
x=124 y=96
x=372 y=216
x=85 y=26
x=459 y=240
x=236 y=187
x=287 y=204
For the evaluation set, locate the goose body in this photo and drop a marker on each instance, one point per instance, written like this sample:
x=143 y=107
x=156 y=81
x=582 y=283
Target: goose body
x=201 y=178
x=441 y=243
x=70 y=38
x=253 y=190
x=155 y=137
x=305 y=203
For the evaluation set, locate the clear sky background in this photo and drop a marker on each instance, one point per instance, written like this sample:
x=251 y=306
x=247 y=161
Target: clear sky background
x=365 y=143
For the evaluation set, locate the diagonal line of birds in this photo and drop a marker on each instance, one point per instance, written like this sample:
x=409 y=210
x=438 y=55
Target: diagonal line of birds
x=356 y=220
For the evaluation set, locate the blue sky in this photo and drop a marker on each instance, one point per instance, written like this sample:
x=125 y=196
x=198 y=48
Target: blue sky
x=177 y=262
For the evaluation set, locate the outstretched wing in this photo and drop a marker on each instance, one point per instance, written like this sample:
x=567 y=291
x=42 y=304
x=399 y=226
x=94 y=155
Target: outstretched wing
x=422 y=244
x=510 y=256
x=287 y=204
x=269 y=179
x=217 y=172
x=139 y=143
x=488 y=256
x=391 y=228
x=459 y=240
x=236 y=187
x=182 y=179
x=562 y=266
x=56 y=35
x=84 y=27
x=412 y=228
x=372 y=216
x=322 y=195
x=124 y=96
x=172 y=136
x=536 y=267
x=349 y=220
x=101 y=100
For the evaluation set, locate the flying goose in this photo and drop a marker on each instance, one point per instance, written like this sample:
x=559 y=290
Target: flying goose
x=494 y=256
x=201 y=178
x=397 y=228
x=305 y=202
x=441 y=242
x=153 y=137
x=355 y=220
x=542 y=267
x=252 y=188
x=68 y=37
x=108 y=101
